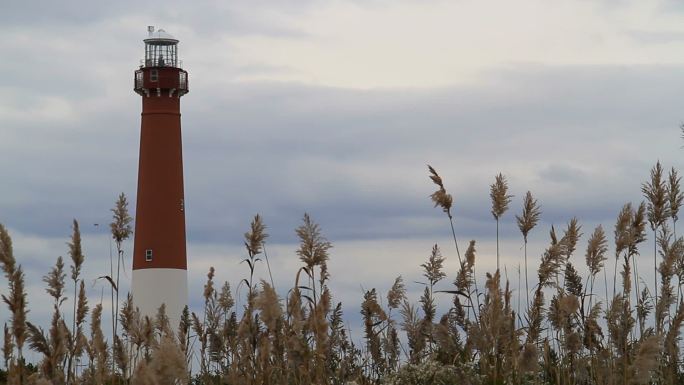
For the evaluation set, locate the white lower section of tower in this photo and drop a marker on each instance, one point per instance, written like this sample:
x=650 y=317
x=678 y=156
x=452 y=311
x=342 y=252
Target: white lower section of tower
x=152 y=287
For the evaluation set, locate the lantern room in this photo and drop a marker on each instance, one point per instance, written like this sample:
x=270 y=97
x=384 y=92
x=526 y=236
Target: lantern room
x=160 y=49
x=160 y=72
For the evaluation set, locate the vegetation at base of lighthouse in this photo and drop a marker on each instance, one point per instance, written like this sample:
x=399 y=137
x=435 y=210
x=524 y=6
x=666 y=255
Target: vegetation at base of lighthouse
x=550 y=325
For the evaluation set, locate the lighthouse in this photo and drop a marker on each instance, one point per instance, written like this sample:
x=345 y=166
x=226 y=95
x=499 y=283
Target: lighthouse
x=159 y=255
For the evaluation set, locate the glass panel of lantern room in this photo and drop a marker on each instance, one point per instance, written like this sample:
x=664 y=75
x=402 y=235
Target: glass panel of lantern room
x=148 y=55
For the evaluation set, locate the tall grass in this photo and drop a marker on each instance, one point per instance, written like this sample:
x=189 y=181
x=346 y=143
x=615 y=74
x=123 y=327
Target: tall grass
x=567 y=333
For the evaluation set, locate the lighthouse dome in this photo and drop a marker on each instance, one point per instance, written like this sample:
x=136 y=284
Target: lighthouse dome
x=160 y=36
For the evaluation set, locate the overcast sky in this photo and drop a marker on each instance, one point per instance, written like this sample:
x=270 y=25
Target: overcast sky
x=335 y=108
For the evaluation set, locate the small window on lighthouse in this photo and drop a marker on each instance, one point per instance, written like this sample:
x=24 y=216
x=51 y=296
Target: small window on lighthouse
x=154 y=75
x=148 y=255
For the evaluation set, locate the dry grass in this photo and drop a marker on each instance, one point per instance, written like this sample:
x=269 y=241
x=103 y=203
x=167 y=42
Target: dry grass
x=567 y=333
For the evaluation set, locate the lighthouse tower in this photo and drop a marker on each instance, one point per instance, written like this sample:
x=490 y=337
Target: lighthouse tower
x=159 y=257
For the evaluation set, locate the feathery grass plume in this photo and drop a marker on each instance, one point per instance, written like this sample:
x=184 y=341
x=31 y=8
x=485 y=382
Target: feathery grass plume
x=464 y=278
x=203 y=327
x=671 y=252
x=143 y=375
x=619 y=323
x=675 y=197
x=37 y=339
x=16 y=301
x=637 y=236
x=77 y=258
x=551 y=262
x=209 y=290
x=120 y=356
x=337 y=342
x=622 y=235
x=440 y=197
x=17 y=304
x=132 y=331
x=183 y=333
x=373 y=316
x=7 y=261
x=670 y=366
x=254 y=239
x=447 y=340
x=570 y=237
x=593 y=334
x=429 y=308
x=573 y=281
x=499 y=195
x=313 y=251
x=82 y=305
x=444 y=200
x=166 y=366
x=646 y=361
x=223 y=334
x=433 y=268
x=655 y=192
x=529 y=360
x=318 y=321
x=313 y=247
x=98 y=350
x=7 y=346
x=491 y=335
x=55 y=281
x=52 y=365
x=433 y=271
x=127 y=316
x=412 y=326
x=78 y=339
x=212 y=345
x=58 y=339
x=76 y=252
x=268 y=304
x=597 y=246
x=595 y=257
x=526 y=222
x=644 y=307
x=162 y=323
x=638 y=228
x=535 y=317
x=147 y=334
x=530 y=215
x=500 y=200
x=120 y=229
x=225 y=299
x=396 y=294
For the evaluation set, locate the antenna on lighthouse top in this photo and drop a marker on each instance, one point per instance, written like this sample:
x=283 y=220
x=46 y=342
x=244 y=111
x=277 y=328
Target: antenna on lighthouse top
x=150 y=30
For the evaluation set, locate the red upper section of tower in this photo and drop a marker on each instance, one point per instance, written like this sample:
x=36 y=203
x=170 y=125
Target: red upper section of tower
x=160 y=207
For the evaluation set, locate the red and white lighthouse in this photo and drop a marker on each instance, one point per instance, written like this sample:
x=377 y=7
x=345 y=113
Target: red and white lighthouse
x=159 y=256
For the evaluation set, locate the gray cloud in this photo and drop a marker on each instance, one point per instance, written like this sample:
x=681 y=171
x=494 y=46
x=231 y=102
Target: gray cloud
x=579 y=138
